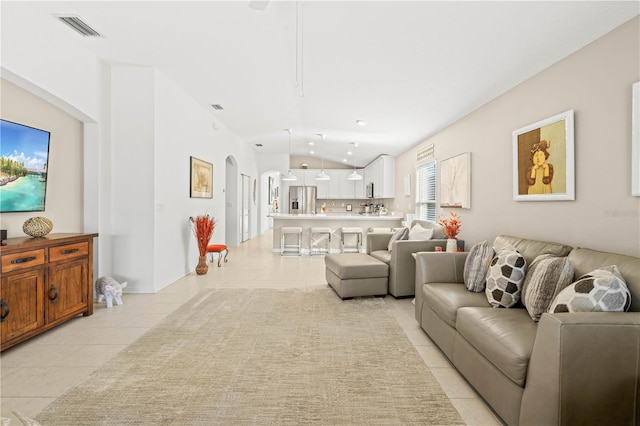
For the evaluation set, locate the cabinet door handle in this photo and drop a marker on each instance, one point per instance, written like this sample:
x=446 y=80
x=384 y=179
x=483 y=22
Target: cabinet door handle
x=52 y=293
x=69 y=251
x=23 y=260
x=4 y=310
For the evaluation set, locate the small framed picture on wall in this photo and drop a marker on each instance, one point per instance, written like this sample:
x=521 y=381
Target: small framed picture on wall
x=201 y=182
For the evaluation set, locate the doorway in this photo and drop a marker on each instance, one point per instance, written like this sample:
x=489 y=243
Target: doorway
x=246 y=208
x=231 y=212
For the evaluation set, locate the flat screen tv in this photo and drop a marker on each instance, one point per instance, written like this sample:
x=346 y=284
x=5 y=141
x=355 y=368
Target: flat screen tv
x=24 y=159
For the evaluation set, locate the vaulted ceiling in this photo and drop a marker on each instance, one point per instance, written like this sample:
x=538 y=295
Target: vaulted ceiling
x=407 y=69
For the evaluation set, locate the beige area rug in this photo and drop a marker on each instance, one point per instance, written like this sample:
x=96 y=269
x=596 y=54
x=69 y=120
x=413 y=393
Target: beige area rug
x=263 y=357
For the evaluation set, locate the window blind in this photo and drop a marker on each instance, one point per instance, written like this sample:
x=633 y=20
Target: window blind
x=426 y=190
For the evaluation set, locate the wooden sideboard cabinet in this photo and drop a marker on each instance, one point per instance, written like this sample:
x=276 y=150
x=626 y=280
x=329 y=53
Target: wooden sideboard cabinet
x=45 y=281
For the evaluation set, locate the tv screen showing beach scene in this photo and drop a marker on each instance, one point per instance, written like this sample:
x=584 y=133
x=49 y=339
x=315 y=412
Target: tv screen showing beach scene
x=24 y=157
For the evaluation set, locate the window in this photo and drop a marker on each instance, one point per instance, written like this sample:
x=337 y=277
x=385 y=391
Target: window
x=426 y=190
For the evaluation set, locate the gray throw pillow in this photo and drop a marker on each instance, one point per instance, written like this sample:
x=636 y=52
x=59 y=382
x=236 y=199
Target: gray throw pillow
x=546 y=277
x=505 y=277
x=476 y=266
x=400 y=234
x=601 y=290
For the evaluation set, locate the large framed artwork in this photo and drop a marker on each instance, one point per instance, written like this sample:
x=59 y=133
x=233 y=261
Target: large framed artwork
x=455 y=182
x=543 y=160
x=635 y=140
x=201 y=182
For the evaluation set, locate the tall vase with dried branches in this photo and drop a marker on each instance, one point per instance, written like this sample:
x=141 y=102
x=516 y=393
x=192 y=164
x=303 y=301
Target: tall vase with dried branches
x=203 y=227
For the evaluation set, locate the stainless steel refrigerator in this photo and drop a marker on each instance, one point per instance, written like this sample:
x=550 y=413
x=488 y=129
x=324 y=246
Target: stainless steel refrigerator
x=302 y=199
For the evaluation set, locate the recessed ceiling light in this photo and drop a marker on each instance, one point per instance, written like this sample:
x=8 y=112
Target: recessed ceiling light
x=349 y=153
x=344 y=160
x=312 y=152
x=361 y=122
x=311 y=143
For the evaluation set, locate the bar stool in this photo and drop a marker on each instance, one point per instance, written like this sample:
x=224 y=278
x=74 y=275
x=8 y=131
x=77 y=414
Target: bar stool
x=288 y=230
x=350 y=231
x=319 y=232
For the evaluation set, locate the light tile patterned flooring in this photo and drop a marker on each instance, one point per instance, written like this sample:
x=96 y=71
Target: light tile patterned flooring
x=37 y=371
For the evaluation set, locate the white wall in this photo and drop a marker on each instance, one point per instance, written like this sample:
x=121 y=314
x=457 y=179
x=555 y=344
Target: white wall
x=184 y=129
x=133 y=176
x=596 y=83
x=139 y=131
x=64 y=196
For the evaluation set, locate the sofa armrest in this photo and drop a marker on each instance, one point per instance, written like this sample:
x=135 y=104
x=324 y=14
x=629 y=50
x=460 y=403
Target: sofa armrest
x=584 y=370
x=378 y=241
x=437 y=268
x=402 y=266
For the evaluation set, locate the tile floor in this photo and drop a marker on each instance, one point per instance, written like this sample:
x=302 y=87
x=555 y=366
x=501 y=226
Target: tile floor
x=37 y=371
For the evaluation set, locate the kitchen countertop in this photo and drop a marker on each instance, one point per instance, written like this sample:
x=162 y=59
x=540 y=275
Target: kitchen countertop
x=335 y=216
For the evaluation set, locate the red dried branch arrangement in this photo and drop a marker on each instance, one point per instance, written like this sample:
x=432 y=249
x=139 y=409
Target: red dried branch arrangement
x=451 y=225
x=203 y=230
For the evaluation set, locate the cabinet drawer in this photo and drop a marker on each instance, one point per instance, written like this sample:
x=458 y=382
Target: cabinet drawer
x=68 y=251
x=22 y=260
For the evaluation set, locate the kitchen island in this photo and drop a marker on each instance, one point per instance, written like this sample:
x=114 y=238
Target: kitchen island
x=335 y=221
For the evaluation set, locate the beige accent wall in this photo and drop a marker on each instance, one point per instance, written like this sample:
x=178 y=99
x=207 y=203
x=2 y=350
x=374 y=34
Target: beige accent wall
x=596 y=83
x=64 y=203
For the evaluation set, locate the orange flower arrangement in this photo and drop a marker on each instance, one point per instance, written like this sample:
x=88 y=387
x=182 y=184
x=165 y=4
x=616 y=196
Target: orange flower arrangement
x=203 y=230
x=451 y=225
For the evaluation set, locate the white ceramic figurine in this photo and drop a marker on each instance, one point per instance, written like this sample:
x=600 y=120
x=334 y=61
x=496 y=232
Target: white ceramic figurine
x=107 y=287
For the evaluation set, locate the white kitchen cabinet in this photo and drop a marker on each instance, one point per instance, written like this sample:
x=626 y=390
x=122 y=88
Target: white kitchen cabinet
x=338 y=187
x=381 y=172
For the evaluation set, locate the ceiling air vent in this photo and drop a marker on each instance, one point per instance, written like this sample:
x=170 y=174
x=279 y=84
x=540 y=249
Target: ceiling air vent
x=79 y=25
x=259 y=144
x=217 y=106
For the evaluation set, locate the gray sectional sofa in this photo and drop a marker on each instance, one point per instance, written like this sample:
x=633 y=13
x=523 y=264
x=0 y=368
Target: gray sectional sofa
x=402 y=266
x=567 y=369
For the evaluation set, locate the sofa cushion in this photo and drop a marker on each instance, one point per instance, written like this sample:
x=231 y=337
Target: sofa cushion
x=601 y=290
x=446 y=299
x=398 y=235
x=382 y=255
x=504 y=336
x=545 y=278
x=505 y=277
x=476 y=266
x=355 y=265
x=530 y=249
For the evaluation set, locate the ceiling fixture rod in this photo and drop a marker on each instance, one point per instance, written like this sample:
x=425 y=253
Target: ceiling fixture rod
x=322 y=175
x=354 y=175
x=290 y=176
x=300 y=47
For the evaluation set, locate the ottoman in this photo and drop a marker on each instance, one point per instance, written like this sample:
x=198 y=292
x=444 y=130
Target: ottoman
x=356 y=274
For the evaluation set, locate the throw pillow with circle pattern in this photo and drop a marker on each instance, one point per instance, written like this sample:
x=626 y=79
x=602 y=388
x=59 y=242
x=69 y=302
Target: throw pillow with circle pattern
x=505 y=277
x=601 y=290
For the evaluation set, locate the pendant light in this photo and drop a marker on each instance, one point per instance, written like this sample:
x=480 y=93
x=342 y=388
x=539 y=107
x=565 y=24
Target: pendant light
x=290 y=176
x=322 y=175
x=354 y=175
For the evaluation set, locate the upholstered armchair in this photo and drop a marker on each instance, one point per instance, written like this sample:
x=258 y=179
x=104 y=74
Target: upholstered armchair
x=402 y=265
